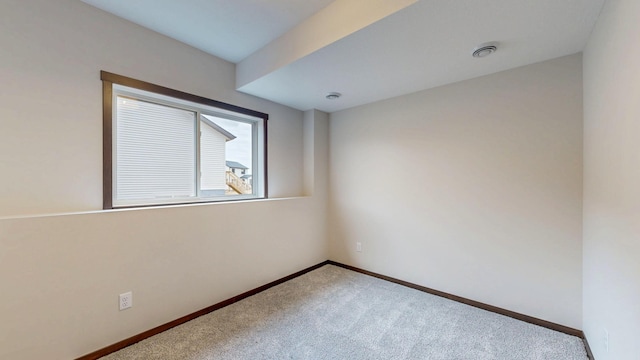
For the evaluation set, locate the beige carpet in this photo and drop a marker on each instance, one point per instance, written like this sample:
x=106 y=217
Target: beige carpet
x=333 y=313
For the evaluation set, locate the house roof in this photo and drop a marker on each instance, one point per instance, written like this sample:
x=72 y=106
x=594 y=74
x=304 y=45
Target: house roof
x=236 y=165
x=217 y=128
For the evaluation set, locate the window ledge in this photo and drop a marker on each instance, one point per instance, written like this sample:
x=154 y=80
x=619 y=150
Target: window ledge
x=146 y=208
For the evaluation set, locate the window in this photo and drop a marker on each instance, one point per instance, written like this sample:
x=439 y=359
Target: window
x=163 y=146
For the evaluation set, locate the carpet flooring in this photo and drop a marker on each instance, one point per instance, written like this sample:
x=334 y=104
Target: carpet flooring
x=334 y=313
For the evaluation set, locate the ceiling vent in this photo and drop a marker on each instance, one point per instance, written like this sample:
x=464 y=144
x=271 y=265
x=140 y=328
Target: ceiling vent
x=485 y=49
x=333 y=95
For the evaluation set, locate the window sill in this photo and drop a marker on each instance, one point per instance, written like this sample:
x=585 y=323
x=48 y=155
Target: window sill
x=153 y=207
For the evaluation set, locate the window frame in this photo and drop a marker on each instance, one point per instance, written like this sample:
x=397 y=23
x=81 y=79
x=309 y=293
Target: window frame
x=108 y=82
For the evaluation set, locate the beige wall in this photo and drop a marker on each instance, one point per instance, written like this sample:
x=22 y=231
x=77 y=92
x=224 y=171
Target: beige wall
x=473 y=188
x=51 y=101
x=612 y=183
x=63 y=273
x=60 y=275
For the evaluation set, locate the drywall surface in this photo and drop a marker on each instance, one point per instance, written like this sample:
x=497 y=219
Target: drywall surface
x=51 y=101
x=473 y=189
x=316 y=152
x=612 y=183
x=60 y=275
x=316 y=169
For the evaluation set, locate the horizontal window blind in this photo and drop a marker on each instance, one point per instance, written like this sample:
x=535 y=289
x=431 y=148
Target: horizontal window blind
x=155 y=151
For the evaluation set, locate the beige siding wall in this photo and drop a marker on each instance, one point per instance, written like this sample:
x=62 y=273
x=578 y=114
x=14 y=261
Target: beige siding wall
x=212 y=159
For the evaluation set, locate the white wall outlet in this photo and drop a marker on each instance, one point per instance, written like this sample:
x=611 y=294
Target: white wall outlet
x=605 y=339
x=126 y=300
x=358 y=246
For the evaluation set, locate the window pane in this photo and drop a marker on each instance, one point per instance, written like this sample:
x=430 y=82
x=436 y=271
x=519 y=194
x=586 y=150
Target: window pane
x=155 y=151
x=212 y=158
x=231 y=159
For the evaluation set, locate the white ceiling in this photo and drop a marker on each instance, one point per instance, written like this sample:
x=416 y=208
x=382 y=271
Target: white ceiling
x=229 y=29
x=422 y=46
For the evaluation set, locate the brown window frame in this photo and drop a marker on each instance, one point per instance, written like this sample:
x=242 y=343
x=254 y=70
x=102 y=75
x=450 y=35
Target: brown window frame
x=108 y=80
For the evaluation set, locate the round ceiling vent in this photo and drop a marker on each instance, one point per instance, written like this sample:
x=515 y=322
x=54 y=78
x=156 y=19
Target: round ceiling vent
x=333 y=95
x=485 y=49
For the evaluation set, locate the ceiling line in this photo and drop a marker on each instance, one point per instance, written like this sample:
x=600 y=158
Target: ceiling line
x=336 y=21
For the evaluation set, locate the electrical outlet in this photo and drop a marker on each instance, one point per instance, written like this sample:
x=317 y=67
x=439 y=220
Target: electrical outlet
x=126 y=300
x=606 y=340
x=358 y=246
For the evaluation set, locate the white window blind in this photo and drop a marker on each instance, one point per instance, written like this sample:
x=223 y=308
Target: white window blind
x=155 y=151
